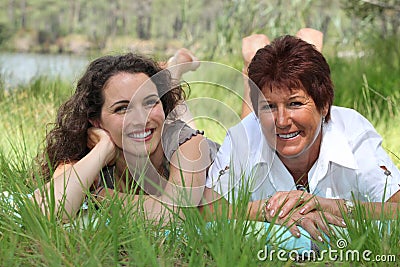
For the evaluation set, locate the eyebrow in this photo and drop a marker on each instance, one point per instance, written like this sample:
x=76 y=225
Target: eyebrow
x=120 y=102
x=290 y=98
x=152 y=95
x=296 y=96
x=127 y=102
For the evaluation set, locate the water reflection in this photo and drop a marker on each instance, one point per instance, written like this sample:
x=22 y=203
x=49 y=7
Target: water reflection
x=16 y=68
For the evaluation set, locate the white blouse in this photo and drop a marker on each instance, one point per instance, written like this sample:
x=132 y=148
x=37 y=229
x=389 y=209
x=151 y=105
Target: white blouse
x=351 y=162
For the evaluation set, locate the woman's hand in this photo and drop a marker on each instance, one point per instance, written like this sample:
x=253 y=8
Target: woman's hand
x=314 y=222
x=283 y=202
x=98 y=136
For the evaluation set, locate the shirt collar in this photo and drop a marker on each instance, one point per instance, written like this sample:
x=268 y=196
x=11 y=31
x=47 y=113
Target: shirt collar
x=335 y=147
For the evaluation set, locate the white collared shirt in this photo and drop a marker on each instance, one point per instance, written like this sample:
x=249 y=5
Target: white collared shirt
x=350 y=162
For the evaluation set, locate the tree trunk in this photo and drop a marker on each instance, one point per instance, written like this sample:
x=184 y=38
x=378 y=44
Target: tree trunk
x=11 y=13
x=143 y=23
x=23 y=14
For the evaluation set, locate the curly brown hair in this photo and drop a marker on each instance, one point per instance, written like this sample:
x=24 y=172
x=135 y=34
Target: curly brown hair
x=67 y=140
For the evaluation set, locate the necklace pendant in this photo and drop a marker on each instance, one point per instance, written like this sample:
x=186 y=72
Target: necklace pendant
x=301 y=187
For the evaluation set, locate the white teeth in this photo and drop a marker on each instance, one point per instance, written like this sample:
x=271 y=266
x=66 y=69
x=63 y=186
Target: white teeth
x=287 y=136
x=140 y=135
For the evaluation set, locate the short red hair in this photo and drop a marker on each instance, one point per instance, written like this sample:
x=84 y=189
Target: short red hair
x=291 y=63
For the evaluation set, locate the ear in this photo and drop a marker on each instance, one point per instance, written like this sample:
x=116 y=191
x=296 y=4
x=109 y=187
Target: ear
x=325 y=110
x=95 y=123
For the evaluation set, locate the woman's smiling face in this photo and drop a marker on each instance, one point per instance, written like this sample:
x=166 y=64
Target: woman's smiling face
x=134 y=118
x=290 y=122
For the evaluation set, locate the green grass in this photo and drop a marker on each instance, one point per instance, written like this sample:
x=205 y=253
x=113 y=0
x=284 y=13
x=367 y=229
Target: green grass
x=120 y=237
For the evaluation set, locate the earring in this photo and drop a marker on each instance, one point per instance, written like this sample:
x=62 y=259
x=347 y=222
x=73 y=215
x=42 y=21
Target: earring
x=323 y=121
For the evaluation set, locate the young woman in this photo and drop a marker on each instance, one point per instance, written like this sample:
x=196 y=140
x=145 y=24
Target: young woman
x=112 y=135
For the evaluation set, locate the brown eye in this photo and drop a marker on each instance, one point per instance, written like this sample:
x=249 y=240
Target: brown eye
x=151 y=102
x=267 y=107
x=121 y=110
x=295 y=104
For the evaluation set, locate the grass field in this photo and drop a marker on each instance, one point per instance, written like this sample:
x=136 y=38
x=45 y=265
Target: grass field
x=119 y=237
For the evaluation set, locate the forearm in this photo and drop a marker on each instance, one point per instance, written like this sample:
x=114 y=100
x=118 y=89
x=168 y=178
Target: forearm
x=373 y=210
x=70 y=184
x=255 y=211
x=377 y=210
x=153 y=208
x=215 y=206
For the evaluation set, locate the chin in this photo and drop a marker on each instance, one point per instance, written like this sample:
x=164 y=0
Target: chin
x=289 y=154
x=137 y=150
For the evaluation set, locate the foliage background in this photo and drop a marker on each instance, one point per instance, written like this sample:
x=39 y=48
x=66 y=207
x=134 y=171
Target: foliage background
x=360 y=42
x=211 y=27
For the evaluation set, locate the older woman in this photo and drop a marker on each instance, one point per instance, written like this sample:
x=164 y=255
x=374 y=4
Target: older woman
x=297 y=151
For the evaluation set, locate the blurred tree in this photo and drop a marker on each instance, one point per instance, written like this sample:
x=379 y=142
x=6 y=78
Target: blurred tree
x=214 y=27
x=11 y=9
x=383 y=14
x=23 y=14
x=5 y=33
x=143 y=18
x=271 y=17
x=74 y=11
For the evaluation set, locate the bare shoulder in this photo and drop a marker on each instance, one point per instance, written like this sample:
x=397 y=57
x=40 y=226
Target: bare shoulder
x=194 y=146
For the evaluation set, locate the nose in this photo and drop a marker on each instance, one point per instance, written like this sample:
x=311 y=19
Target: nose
x=137 y=116
x=282 y=118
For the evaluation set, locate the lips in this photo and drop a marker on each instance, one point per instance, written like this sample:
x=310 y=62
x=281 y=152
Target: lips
x=288 y=135
x=141 y=135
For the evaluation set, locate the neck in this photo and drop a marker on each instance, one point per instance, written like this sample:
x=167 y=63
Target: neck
x=120 y=172
x=300 y=165
x=120 y=165
x=157 y=157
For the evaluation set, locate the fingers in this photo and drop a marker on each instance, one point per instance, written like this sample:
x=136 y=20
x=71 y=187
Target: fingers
x=298 y=208
x=96 y=135
x=282 y=203
x=315 y=223
x=288 y=221
x=293 y=200
x=333 y=219
x=92 y=139
x=319 y=223
x=293 y=229
x=313 y=226
x=310 y=223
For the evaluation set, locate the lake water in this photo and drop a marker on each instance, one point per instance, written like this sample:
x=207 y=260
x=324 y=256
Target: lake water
x=17 y=68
